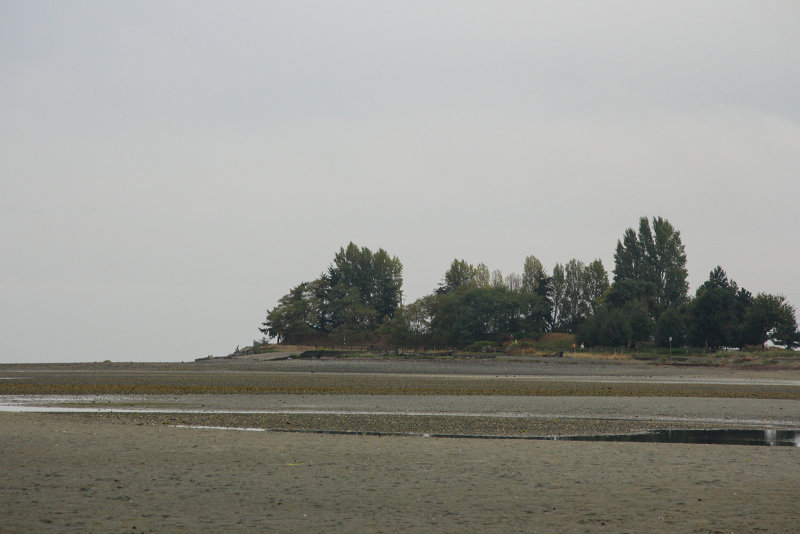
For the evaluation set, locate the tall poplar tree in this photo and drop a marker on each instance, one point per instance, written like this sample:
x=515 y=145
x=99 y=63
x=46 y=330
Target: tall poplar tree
x=655 y=255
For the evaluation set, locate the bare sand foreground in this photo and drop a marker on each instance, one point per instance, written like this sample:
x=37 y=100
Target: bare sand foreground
x=77 y=475
x=89 y=473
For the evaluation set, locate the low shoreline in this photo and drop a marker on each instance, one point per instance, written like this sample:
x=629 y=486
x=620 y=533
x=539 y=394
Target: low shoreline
x=346 y=449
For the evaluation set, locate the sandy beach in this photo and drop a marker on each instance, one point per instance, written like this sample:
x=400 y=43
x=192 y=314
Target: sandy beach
x=139 y=472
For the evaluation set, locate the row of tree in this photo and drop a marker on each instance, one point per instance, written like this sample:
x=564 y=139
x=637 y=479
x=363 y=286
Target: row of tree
x=359 y=298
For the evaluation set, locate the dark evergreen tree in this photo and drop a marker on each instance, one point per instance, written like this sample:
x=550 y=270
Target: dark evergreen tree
x=713 y=320
x=657 y=256
x=357 y=295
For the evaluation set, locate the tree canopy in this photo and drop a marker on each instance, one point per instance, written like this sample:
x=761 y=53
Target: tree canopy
x=359 y=298
x=724 y=315
x=655 y=256
x=358 y=293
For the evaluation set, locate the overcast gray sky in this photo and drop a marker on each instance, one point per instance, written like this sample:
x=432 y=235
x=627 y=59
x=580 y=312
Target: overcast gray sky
x=170 y=169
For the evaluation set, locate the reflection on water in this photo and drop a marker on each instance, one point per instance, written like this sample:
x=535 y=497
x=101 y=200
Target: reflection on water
x=771 y=438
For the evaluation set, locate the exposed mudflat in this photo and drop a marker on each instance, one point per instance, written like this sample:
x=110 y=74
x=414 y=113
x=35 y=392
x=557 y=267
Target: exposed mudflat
x=538 y=377
x=134 y=464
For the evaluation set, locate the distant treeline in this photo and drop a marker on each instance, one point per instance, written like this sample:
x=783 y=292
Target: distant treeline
x=358 y=301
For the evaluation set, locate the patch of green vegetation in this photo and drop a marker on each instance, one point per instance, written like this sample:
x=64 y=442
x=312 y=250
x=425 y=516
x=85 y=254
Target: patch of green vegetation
x=326 y=353
x=553 y=341
x=481 y=346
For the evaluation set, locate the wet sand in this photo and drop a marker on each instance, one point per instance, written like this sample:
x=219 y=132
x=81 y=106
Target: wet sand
x=67 y=475
x=123 y=472
x=565 y=377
